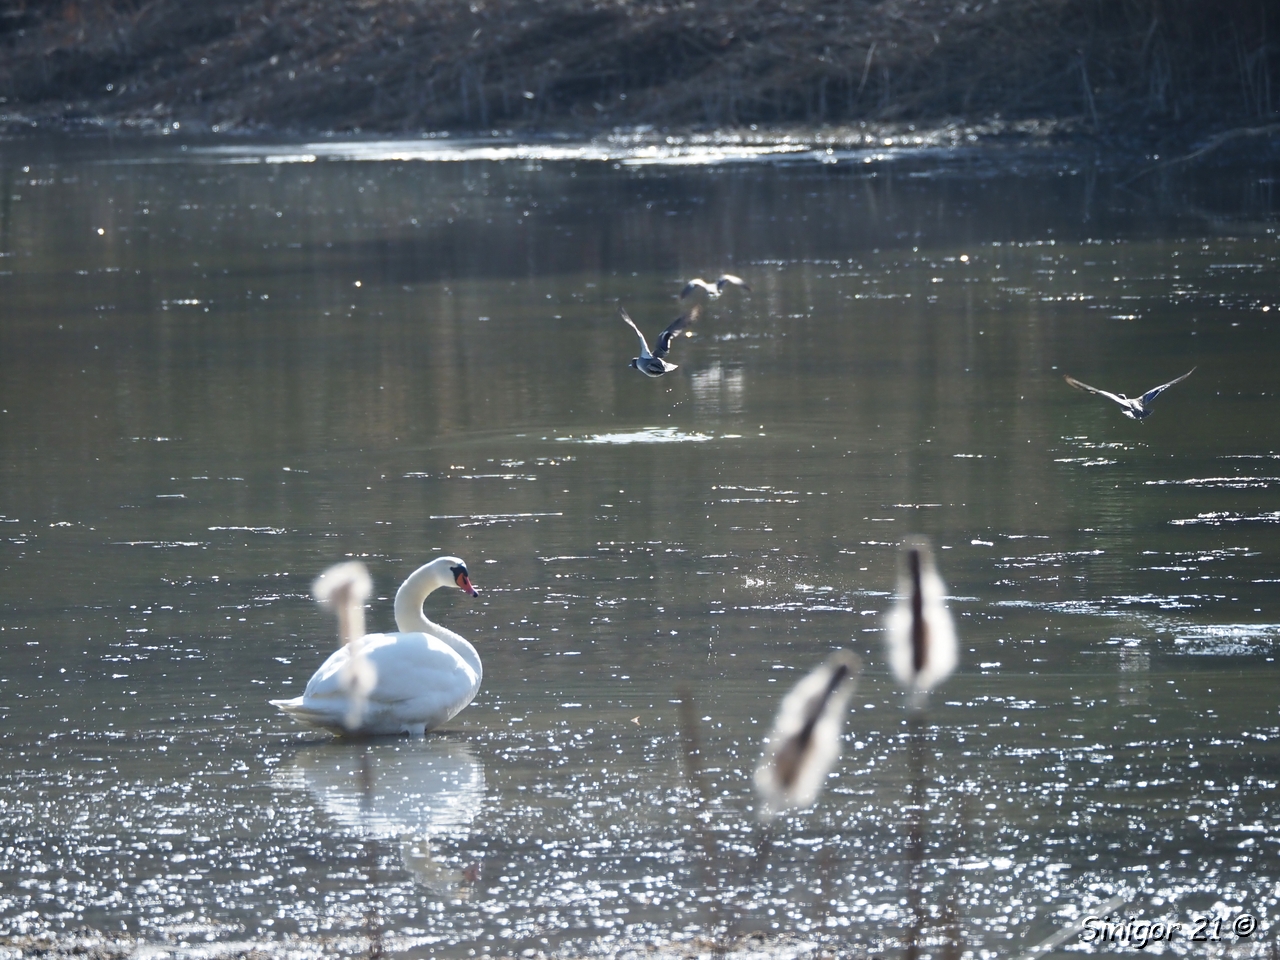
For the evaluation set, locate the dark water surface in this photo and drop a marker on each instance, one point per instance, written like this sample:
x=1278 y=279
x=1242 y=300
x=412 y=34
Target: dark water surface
x=219 y=375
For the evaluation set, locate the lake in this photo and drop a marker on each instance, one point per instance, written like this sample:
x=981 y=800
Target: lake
x=225 y=366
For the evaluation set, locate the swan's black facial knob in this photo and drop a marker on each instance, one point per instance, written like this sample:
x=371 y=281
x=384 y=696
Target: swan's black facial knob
x=463 y=581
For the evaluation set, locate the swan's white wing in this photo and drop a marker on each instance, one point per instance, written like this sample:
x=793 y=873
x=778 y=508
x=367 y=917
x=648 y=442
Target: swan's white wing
x=326 y=683
x=644 y=344
x=419 y=680
x=326 y=701
x=728 y=278
x=1156 y=391
x=1102 y=393
x=413 y=665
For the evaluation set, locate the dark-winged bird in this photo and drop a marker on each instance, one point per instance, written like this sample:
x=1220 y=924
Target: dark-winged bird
x=653 y=364
x=1135 y=408
x=713 y=290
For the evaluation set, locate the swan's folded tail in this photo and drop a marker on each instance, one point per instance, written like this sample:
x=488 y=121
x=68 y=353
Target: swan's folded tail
x=299 y=711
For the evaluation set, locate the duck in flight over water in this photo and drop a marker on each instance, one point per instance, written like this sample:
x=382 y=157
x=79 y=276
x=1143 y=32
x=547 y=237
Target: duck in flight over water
x=653 y=364
x=1135 y=408
x=713 y=290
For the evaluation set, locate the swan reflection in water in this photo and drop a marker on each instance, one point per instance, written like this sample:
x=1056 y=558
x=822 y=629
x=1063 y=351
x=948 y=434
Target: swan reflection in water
x=408 y=792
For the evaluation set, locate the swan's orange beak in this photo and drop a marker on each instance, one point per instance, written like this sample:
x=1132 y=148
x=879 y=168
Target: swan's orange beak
x=464 y=584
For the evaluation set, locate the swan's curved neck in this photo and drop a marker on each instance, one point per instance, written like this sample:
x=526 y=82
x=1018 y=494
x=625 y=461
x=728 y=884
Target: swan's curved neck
x=409 y=599
x=409 y=616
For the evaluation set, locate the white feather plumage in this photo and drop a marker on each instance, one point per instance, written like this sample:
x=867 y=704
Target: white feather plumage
x=345 y=587
x=405 y=682
x=920 y=635
x=805 y=741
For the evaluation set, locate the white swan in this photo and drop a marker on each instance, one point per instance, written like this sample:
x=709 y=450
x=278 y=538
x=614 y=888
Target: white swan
x=425 y=674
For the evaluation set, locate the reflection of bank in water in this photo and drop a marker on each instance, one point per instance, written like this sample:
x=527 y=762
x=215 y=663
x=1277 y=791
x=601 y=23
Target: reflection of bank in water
x=721 y=389
x=1134 y=676
x=411 y=792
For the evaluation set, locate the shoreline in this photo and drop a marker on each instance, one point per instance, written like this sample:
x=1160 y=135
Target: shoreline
x=1007 y=141
x=1131 y=76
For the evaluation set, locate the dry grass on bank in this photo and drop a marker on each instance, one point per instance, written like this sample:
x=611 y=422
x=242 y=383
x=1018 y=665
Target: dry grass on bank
x=1137 y=66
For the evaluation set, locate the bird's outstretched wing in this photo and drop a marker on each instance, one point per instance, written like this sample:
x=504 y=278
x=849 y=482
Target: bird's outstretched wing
x=1156 y=391
x=673 y=331
x=644 y=344
x=729 y=278
x=697 y=283
x=1102 y=393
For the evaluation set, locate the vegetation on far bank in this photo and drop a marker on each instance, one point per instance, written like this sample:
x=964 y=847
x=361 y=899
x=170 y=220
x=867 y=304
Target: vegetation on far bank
x=1146 y=70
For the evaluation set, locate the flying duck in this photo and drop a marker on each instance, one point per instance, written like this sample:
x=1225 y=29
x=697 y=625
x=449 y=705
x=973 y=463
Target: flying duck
x=653 y=364
x=1135 y=408
x=713 y=290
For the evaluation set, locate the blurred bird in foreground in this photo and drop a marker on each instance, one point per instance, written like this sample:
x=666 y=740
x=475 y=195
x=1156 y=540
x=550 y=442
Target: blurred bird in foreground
x=344 y=588
x=1135 y=408
x=805 y=741
x=713 y=290
x=921 y=638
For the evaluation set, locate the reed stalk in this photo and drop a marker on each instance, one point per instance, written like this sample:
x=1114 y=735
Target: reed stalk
x=706 y=852
x=372 y=913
